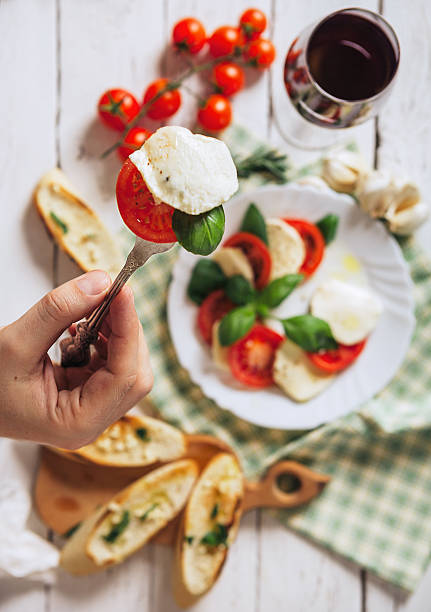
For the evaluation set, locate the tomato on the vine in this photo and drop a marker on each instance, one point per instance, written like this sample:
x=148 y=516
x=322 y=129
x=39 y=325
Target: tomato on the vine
x=226 y=40
x=252 y=23
x=189 y=35
x=167 y=104
x=134 y=140
x=117 y=107
x=140 y=213
x=216 y=114
x=228 y=78
x=260 y=53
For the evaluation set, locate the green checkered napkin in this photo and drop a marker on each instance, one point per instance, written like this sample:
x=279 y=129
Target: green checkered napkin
x=376 y=509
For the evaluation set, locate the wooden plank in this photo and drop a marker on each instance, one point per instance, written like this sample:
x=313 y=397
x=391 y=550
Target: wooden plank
x=404 y=125
x=298 y=576
x=235 y=589
x=27 y=107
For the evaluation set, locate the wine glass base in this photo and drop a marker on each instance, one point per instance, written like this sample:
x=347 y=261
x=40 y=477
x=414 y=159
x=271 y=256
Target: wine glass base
x=302 y=134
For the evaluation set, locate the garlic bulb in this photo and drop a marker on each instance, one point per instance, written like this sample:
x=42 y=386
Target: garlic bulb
x=375 y=192
x=314 y=181
x=342 y=170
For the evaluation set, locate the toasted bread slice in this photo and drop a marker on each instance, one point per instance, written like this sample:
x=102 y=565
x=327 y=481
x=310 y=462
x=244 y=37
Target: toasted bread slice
x=209 y=527
x=133 y=441
x=130 y=519
x=75 y=226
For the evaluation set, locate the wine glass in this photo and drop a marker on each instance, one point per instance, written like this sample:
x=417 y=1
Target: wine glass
x=338 y=73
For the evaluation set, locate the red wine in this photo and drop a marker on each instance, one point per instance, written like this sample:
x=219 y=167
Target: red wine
x=350 y=57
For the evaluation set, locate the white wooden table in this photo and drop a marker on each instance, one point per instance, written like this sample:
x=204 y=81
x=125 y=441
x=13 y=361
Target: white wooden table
x=56 y=58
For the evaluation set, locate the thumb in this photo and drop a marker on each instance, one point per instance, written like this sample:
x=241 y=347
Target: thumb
x=37 y=330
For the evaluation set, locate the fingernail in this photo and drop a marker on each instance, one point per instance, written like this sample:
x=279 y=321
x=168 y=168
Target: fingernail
x=94 y=282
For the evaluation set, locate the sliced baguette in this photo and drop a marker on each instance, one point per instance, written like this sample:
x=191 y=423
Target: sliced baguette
x=147 y=505
x=133 y=441
x=209 y=527
x=75 y=226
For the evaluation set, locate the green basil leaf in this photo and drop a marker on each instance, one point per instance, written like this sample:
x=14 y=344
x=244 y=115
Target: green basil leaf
x=310 y=333
x=118 y=528
x=278 y=290
x=207 y=276
x=239 y=290
x=254 y=223
x=236 y=324
x=328 y=227
x=199 y=234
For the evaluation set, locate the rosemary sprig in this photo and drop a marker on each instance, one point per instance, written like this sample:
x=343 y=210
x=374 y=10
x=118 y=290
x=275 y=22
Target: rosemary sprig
x=263 y=159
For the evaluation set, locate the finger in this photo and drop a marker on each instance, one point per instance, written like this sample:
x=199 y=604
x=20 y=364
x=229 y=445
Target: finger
x=101 y=346
x=123 y=341
x=40 y=326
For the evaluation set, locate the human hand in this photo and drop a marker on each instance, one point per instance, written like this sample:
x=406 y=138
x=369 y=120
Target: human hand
x=70 y=407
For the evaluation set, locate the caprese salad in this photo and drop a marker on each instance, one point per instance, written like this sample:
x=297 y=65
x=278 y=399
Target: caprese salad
x=173 y=187
x=250 y=276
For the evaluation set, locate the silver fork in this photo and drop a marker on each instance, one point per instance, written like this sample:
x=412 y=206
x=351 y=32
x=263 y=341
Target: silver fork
x=75 y=351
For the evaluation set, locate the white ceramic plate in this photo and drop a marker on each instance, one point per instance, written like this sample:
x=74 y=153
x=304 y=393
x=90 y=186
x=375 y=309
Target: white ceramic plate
x=362 y=252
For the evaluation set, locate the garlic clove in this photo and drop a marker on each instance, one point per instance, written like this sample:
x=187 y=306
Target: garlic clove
x=406 y=221
x=406 y=195
x=342 y=170
x=375 y=192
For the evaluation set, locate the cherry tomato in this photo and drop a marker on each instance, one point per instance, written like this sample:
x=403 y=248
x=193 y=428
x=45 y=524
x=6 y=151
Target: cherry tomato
x=256 y=252
x=212 y=309
x=134 y=139
x=252 y=23
x=314 y=244
x=216 y=114
x=117 y=107
x=225 y=41
x=137 y=207
x=338 y=359
x=260 y=53
x=189 y=35
x=228 y=77
x=165 y=106
x=251 y=358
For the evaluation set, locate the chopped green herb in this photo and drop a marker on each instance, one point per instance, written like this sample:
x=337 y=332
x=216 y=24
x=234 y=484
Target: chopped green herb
x=189 y=539
x=118 y=528
x=214 y=511
x=61 y=224
x=142 y=433
x=147 y=513
x=89 y=236
x=216 y=537
x=69 y=533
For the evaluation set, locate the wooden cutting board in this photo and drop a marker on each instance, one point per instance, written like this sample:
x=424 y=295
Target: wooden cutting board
x=67 y=490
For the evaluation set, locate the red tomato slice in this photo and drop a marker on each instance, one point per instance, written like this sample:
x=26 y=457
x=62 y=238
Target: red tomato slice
x=337 y=359
x=212 y=309
x=146 y=219
x=251 y=358
x=314 y=244
x=256 y=252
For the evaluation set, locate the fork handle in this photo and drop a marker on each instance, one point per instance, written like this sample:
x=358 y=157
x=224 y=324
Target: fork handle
x=75 y=351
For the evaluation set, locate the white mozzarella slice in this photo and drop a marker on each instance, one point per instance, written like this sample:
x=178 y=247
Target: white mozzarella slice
x=296 y=375
x=352 y=312
x=233 y=261
x=286 y=247
x=219 y=352
x=191 y=172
